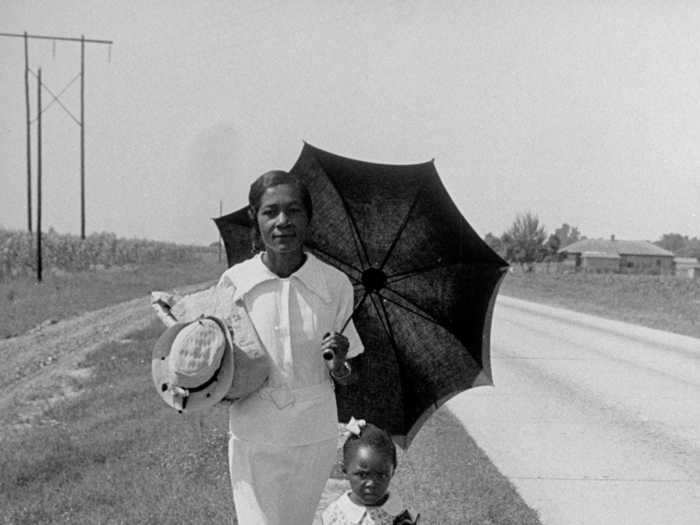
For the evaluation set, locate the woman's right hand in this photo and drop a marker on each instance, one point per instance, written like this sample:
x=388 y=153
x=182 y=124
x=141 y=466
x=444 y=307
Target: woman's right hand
x=334 y=348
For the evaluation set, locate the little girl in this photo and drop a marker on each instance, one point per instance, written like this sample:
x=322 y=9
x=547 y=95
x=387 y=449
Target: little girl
x=369 y=462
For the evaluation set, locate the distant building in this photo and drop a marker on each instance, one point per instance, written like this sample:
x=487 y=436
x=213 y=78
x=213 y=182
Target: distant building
x=611 y=255
x=687 y=267
x=600 y=262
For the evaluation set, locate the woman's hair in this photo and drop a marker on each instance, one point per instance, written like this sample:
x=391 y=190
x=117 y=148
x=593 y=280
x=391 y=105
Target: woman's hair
x=261 y=185
x=372 y=436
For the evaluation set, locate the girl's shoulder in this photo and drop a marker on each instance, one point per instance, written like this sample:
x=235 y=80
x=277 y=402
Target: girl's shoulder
x=335 y=513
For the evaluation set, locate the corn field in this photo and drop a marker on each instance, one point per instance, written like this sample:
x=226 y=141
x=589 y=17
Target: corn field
x=70 y=253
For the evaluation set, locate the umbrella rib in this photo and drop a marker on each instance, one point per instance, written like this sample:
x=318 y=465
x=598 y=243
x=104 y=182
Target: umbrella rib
x=360 y=247
x=415 y=312
x=418 y=311
x=391 y=279
x=345 y=324
x=403 y=225
x=357 y=285
x=356 y=234
x=400 y=276
x=383 y=319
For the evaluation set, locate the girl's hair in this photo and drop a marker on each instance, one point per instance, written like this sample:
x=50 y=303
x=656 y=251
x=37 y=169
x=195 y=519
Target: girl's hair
x=261 y=185
x=372 y=436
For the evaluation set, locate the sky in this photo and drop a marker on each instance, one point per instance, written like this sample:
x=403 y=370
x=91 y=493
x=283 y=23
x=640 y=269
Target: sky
x=581 y=112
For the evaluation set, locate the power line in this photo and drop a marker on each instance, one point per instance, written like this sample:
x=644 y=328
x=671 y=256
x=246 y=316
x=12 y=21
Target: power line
x=56 y=98
x=64 y=38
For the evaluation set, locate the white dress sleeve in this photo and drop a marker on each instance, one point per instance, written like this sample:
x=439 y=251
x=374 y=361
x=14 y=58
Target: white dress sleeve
x=223 y=294
x=186 y=308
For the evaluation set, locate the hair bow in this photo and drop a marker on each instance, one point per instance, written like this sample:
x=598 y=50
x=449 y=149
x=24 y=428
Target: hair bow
x=355 y=426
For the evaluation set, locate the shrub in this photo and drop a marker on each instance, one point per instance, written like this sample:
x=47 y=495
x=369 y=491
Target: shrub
x=70 y=253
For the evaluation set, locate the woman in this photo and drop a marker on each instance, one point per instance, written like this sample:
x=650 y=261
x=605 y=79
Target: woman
x=283 y=437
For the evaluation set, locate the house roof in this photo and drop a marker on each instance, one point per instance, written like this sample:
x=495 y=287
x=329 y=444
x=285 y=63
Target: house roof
x=599 y=255
x=616 y=247
x=687 y=261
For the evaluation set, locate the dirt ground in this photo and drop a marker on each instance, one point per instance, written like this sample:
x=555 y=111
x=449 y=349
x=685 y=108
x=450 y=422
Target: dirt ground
x=41 y=367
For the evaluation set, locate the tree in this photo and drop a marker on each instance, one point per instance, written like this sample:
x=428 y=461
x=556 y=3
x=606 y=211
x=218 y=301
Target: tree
x=552 y=246
x=495 y=244
x=673 y=242
x=692 y=249
x=680 y=245
x=524 y=241
x=567 y=235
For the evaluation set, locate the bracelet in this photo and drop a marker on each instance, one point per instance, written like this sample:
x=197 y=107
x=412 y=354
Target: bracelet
x=348 y=371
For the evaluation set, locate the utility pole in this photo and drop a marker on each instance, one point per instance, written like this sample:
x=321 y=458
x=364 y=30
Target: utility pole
x=29 y=132
x=82 y=136
x=221 y=204
x=38 y=181
x=81 y=123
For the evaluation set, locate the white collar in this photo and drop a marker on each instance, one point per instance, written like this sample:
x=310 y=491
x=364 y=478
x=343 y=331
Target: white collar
x=393 y=506
x=253 y=272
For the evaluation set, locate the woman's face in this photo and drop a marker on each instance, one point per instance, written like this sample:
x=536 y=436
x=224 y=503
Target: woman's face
x=282 y=219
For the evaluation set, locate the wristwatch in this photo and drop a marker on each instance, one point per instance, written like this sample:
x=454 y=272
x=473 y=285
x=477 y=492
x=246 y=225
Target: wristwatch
x=345 y=375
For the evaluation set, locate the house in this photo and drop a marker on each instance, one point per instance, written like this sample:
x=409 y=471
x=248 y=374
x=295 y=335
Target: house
x=687 y=267
x=612 y=255
x=600 y=262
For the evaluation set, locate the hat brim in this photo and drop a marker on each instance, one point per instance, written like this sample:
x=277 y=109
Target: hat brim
x=199 y=399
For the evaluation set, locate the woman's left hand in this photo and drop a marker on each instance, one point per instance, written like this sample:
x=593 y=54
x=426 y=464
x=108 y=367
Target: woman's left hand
x=334 y=348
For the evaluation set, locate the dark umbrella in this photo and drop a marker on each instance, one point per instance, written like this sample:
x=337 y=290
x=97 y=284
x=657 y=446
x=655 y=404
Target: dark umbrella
x=425 y=283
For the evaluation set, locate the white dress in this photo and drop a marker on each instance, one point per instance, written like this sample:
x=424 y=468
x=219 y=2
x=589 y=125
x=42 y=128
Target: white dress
x=343 y=511
x=283 y=438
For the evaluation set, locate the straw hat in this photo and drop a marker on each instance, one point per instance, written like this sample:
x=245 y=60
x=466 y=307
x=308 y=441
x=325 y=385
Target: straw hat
x=193 y=364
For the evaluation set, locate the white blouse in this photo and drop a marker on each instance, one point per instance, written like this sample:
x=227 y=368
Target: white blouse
x=291 y=315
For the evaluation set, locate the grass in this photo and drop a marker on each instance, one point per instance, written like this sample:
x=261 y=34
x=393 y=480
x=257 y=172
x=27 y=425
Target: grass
x=118 y=454
x=26 y=303
x=662 y=302
x=446 y=477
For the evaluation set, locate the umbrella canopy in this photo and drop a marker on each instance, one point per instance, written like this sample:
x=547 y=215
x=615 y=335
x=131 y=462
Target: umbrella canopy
x=425 y=283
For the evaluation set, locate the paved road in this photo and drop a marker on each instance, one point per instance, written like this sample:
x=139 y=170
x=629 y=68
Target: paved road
x=595 y=422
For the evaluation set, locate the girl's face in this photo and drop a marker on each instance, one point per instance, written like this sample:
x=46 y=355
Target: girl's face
x=282 y=219
x=369 y=473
